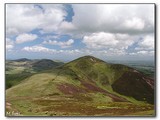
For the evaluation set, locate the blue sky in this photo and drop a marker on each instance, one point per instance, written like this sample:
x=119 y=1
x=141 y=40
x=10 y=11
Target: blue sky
x=68 y=31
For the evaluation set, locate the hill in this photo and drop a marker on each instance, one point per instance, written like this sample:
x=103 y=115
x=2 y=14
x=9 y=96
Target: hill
x=45 y=64
x=114 y=77
x=18 y=70
x=22 y=60
x=85 y=86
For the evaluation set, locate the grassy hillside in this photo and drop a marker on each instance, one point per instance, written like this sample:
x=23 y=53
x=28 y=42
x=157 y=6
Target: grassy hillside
x=18 y=70
x=113 y=77
x=14 y=79
x=45 y=64
x=85 y=86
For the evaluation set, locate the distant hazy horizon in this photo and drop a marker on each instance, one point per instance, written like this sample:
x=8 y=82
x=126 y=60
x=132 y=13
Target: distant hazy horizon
x=107 y=60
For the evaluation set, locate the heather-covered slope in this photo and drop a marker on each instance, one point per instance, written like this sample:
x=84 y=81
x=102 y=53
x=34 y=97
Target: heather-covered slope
x=85 y=86
x=114 y=77
x=136 y=85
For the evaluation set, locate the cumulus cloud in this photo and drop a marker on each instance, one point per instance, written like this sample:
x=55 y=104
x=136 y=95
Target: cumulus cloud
x=99 y=40
x=142 y=52
x=146 y=43
x=22 y=18
x=38 y=48
x=67 y=26
x=80 y=52
x=25 y=38
x=134 y=23
x=105 y=29
x=9 y=44
x=104 y=40
x=65 y=44
x=119 y=18
x=88 y=18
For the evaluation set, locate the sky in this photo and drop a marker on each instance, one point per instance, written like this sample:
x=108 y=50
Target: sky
x=68 y=31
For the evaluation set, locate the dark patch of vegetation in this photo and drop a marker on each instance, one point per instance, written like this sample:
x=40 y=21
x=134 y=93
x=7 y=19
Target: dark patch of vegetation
x=45 y=64
x=14 y=79
x=135 y=85
x=118 y=67
x=118 y=70
x=8 y=69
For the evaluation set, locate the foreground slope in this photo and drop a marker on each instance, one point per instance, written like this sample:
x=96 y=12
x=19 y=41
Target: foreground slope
x=85 y=86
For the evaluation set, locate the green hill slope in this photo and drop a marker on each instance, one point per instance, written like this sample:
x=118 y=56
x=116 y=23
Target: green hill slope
x=85 y=86
x=45 y=64
x=113 y=77
x=18 y=70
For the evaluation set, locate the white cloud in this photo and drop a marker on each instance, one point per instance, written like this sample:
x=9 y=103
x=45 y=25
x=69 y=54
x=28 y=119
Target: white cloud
x=105 y=29
x=80 y=52
x=143 y=52
x=9 y=44
x=109 y=52
x=134 y=23
x=104 y=40
x=38 y=48
x=65 y=44
x=70 y=52
x=25 y=38
x=88 y=18
x=147 y=43
x=67 y=26
x=21 y=18
x=117 y=18
x=100 y=40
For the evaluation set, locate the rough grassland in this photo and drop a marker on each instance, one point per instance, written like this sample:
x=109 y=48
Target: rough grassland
x=38 y=96
x=83 y=87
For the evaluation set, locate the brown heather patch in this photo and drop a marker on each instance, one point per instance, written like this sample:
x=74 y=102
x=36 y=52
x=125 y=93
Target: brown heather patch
x=134 y=84
x=70 y=89
x=93 y=88
x=68 y=108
